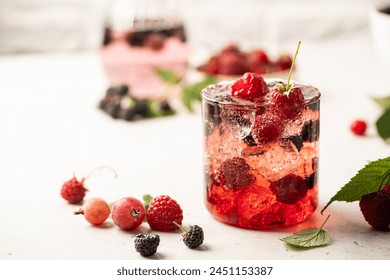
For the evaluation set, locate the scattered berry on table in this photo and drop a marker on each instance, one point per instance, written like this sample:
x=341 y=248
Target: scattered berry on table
x=162 y=212
x=289 y=189
x=235 y=173
x=95 y=211
x=358 y=127
x=375 y=208
x=73 y=190
x=193 y=236
x=250 y=86
x=147 y=244
x=128 y=213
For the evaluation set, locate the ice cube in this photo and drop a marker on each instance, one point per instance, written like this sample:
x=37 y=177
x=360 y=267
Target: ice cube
x=274 y=160
x=238 y=121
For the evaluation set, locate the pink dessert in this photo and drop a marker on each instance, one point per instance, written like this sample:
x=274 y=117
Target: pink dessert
x=261 y=152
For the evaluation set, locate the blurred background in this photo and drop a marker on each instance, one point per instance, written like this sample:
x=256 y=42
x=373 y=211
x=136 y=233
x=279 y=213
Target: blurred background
x=68 y=25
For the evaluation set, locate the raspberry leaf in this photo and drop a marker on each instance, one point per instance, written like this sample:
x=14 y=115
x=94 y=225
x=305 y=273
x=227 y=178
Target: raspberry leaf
x=383 y=125
x=368 y=179
x=383 y=102
x=309 y=238
x=191 y=92
x=170 y=77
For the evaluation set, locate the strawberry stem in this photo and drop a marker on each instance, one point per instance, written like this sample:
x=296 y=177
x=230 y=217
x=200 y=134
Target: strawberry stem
x=292 y=67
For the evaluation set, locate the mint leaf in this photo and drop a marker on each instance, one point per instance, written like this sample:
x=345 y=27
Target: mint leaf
x=384 y=102
x=191 y=93
x=170 y=77
x=309 y=238
x=368 y=179
x=383 y=125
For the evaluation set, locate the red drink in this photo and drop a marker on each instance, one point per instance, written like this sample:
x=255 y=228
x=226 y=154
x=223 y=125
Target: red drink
x=261 y=167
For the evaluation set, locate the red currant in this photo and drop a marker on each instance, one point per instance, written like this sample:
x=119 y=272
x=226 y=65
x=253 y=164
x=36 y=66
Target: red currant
x=95 y=211
x=359 y=127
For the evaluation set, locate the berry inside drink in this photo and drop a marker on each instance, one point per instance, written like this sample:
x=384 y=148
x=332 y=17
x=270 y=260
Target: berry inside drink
x=261 y=152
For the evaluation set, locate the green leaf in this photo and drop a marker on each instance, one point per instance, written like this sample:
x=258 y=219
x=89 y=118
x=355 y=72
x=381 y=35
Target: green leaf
x=384 y=102
x=369 y=179
x=155 y=111
x=383 y=125
x=191 y=93
x=309 y=238
x=147 y=199
x=168 y=76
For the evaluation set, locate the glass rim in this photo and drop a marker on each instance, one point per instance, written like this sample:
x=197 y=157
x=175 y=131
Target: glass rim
x=208 y=96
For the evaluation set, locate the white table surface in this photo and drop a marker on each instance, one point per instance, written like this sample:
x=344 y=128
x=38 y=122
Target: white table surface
x=51 y=128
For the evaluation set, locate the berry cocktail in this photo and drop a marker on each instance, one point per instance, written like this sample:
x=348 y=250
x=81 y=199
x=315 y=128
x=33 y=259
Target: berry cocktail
x=261 y=151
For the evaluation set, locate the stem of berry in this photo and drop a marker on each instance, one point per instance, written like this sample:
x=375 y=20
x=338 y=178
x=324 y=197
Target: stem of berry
x=100 y=169
x=327 y=218
x=181 y=227
x=78 y=212
x=292 y=67
x=386 y=176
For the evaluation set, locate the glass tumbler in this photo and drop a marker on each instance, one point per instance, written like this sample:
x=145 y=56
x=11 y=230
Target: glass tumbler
x=261 y=170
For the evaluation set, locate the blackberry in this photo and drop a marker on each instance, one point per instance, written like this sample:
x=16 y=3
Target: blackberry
x=147 y=244
x=311 y=180
x=193 y=236
x=296 y=140
x=311 y=131
x=235 y=173
x=249 y=141
x=289 y=189
x=375 y=208
x=122 y=90
x=212 y=113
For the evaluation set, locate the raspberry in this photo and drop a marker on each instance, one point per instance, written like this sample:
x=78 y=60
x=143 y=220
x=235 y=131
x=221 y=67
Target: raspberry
x=193 y=236
x=250 y=86
x=231 y=63
x=73 y=190
x=267 y=128
x=162 y=212
x=376 y=209
x=284 y=62
x=256 y=59
x=236 y=173
x=290 y=189
x=147 y=244
x=288 y=104
x=359 y=127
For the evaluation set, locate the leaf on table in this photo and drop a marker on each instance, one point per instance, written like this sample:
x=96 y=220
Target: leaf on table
x=383 y=125
x=368 y=179
x=309 y=238
x=383 y=102
x=169 y=76
x=191 y=93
